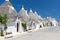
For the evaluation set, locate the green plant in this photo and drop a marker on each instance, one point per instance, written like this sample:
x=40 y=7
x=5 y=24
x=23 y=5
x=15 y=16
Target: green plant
x=51 y=23
x=3 y=20
x=24 y=26
x=44 y=24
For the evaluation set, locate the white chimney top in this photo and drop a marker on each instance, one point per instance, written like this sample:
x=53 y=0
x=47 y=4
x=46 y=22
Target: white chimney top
x=6 y=0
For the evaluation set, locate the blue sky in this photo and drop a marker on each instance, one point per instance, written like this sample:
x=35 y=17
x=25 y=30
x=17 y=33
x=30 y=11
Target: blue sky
x=43 y=7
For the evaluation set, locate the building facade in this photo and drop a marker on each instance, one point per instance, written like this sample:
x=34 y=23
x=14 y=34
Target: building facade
x=31 y=20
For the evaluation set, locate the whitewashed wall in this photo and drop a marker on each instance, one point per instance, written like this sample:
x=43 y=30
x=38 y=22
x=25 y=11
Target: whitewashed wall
x=11 y=29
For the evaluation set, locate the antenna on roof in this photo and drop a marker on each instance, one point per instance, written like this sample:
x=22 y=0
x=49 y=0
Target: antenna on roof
x=6 y=0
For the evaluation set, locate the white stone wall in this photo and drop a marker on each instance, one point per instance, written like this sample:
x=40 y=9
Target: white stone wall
x=20 y=27
x=11 y=29
x=38 y=25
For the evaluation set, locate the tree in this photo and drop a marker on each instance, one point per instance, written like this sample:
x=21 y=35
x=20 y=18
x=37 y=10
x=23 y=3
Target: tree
x=1 y=23
x=3 y=20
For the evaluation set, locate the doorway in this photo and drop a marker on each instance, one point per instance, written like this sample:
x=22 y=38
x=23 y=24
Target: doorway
x=40 y=26
x=17 y=27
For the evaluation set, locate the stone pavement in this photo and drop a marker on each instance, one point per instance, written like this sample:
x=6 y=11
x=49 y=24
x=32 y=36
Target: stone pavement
x=36 y=35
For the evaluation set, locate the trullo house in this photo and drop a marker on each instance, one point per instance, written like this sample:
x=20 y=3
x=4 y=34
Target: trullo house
x=23 y=16
x=50 y=22
x=7 y=8
x=35 y=20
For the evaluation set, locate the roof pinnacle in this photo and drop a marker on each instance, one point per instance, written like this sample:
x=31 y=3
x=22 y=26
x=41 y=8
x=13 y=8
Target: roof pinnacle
x=30 y=10
x=22 y=7
x=6 y=0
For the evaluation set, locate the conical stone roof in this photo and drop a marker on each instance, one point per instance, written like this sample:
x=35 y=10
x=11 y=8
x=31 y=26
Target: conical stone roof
x=23 y=14
x=7 y=8
x=38 y=17
x=6 y=3
x=33 y=16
